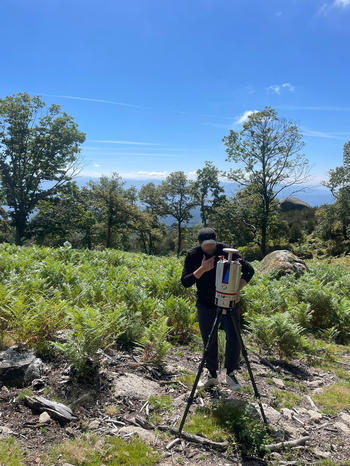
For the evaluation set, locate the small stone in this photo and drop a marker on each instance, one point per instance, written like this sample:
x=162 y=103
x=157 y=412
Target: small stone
x=314 y=415
x=278 y=382
x=343 y=427
x=315 y=383
x=4 y=430
x=94 y=424
x=44 y=417
x=302 y=410
x=146 y=435
x=345 y=417
x=317 y=391
x=287 y=413
x=321 y=454
x=272 y=414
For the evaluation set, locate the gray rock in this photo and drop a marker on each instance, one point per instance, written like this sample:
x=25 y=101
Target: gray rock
x=134 y=386
x=35 y=370
x=314 y=415
x=13 y=365
x=44 y=417
x=293 y=203
x=278 y=382
x=287 y=413
x=147 y=435
x=282 y=262
x=345 y=417
x=4 y=431
x=94 y=424
x=321 y=454
x=343 y=427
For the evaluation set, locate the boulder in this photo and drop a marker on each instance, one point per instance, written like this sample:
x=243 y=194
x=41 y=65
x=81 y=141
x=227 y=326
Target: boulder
x=133 y=386
x=293 y=203
x=19 y=367
x=282 y=262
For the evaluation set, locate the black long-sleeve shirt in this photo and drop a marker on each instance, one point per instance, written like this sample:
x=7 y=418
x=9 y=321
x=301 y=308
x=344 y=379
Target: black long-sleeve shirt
x=206 y=283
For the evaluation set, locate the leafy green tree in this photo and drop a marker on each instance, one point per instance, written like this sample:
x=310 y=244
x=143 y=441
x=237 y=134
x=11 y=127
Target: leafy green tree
x=177 y=198
x=151 y=229
x=339 y=184
x=37 y=148
x=66 y=216
x=267 y=156
x=207 y=190
x=114 y=206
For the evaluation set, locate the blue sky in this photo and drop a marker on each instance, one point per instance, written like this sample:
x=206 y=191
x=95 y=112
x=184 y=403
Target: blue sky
x=156 y=84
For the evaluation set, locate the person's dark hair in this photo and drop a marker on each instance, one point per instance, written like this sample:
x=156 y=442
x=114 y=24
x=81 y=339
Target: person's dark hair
x=206 y=235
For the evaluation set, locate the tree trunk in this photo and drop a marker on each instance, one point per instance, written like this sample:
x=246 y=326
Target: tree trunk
x=109 y=231
x=179 y=238
x=20 y=221
x=345 y=225
x=263 y=238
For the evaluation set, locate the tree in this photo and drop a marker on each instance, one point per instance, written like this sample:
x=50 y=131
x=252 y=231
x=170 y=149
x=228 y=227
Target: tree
x=66 y=216
x=207 y=190
x=151 y=230
x=114 y=206
x=178 y=201
x=267 y=154
x=339 y=184
x=36 y=148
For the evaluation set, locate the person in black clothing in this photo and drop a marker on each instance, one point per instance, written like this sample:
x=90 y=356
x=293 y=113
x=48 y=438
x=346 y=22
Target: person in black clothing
x=200 y=269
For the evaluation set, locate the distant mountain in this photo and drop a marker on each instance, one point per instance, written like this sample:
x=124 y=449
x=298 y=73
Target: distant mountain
x=314 y=196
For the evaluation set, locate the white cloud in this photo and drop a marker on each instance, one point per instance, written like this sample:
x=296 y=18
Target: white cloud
x=341 y=3
x=90 y=99
x=116 y=141
x=325 y=134
x=277 y=88
x=326 y=8
x=244 y=117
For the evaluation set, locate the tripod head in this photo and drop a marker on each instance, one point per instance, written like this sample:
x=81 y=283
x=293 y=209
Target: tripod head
x=228 y=275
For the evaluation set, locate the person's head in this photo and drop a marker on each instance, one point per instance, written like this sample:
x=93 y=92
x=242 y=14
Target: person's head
x=207 y=240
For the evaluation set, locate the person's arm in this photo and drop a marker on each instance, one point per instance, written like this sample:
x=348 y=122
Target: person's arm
x=247 y=272
x=189 y=276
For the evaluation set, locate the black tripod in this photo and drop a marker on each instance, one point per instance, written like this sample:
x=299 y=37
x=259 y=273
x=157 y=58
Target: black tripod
x=219 y=311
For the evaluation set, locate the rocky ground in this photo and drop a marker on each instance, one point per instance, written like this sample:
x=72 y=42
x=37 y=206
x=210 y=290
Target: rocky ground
x=114 y=402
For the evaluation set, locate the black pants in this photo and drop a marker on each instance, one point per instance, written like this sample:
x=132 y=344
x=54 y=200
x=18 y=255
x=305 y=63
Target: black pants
x=206 y=316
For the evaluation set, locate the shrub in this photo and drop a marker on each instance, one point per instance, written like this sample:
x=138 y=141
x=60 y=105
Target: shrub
x=181 y=317
x=154 y=342
x=89 y=330
x=277 y=332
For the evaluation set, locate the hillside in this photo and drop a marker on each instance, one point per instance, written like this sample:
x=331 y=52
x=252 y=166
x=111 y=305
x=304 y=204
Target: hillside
x=127 y=347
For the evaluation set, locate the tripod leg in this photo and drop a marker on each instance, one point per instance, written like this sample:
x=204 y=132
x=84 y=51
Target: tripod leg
x=201 y=365
x=245 y=355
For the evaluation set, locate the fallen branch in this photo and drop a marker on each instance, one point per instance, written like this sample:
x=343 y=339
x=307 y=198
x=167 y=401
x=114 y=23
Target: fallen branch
x=195 y=438
x=289 y=443
x=190 y=437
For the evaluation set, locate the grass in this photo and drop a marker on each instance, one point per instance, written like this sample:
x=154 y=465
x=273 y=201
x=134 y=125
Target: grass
x=233 y=420
x=334 y=398
x=159 y=405
x=92 y=450
x=11 y=453
x=286 y=399
x=25 y=392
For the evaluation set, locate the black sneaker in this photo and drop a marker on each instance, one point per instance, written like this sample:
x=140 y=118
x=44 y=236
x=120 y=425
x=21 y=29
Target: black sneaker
x=232 y=382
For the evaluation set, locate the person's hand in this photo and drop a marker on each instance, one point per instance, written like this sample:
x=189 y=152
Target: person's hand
x=207 y=264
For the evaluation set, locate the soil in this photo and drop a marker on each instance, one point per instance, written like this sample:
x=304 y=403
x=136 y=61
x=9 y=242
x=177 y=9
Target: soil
x=123 y=384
